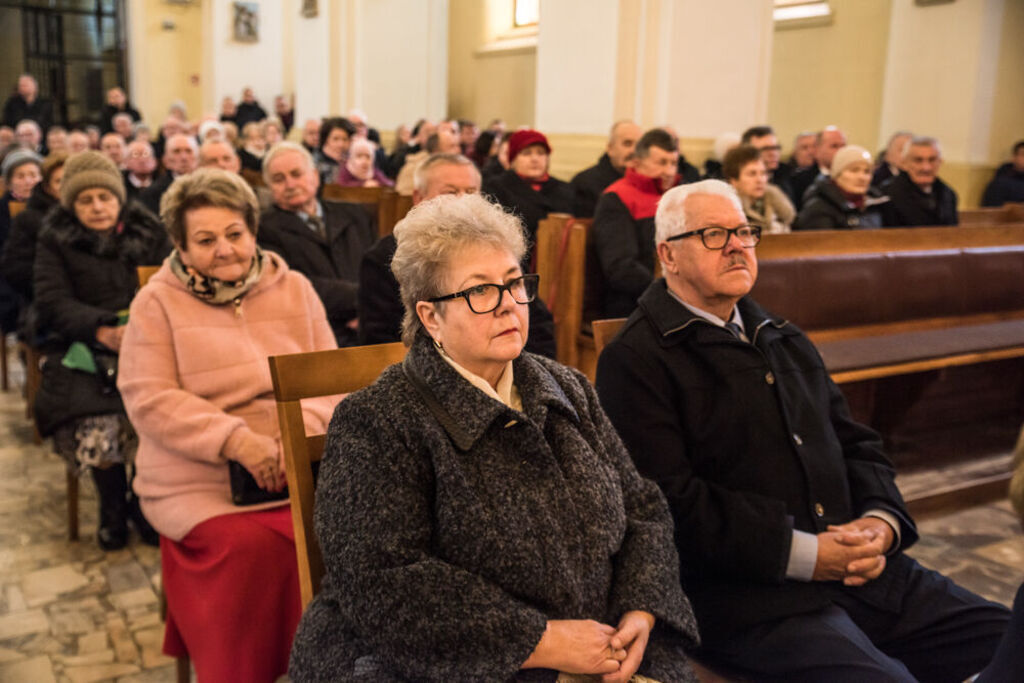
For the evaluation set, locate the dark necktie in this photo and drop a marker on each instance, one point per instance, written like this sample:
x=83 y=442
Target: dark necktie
x=736 y=330
x=316 y=224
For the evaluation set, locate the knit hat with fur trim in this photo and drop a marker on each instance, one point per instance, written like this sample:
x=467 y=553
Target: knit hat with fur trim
x=86 y=170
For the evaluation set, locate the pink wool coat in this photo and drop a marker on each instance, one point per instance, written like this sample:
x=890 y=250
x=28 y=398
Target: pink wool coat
x=196 y=384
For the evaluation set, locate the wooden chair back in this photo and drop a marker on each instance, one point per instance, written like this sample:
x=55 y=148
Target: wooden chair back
x=15 y=208
x=380 y=201
x=562 y=264
x=253 y=177
x=403 y=203
x=145 y=273
x=312 y=375
x=605 y=331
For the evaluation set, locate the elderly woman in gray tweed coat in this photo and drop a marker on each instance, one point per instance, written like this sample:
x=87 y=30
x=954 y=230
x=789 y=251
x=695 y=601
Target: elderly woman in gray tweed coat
x=479 y=517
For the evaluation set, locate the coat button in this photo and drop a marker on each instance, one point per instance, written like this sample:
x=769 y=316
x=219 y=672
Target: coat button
x=769 y=377
x=798 y=440
x=819 y=509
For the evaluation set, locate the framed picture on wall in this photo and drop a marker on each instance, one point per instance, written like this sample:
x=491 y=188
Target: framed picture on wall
x=246 y=22
x=310 y=8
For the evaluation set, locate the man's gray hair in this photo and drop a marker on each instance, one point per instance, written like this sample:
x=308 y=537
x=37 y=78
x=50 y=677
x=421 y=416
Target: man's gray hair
x=420 y=175
x=670 y=219
x=432 y=233
x=921 y=141
x=279 y=149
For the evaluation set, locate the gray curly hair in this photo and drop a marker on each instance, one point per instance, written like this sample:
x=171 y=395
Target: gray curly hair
x=432 y=233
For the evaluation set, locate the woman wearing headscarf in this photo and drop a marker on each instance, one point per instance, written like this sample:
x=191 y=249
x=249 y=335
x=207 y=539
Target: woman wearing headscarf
x=479 y=518
x=85 y=278
x=197 y=387
x=359 y=169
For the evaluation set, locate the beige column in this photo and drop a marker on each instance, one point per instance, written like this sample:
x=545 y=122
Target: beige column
x=953 y=72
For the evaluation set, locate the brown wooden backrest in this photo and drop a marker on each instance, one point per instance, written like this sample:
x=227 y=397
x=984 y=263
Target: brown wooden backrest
x=810 y=243
x=311 y=375
x=15 y=208
x=604 y=331
x=381 y=202
x=145 y=273
x=253 y=177
x=561 y=264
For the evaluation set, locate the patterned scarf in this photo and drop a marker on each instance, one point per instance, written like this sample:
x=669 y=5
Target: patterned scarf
x=210 y=289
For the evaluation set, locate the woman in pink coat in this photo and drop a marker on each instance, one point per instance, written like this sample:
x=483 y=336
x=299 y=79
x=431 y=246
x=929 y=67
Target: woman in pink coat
x=196 y=386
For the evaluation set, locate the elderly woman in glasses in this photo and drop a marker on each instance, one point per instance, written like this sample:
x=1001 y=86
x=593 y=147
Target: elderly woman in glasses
x=479 y=517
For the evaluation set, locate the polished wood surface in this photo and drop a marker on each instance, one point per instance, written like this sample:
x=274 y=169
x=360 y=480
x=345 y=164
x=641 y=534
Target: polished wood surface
x=311 y=375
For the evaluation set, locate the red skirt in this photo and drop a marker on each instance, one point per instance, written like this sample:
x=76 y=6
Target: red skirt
x=232 y=590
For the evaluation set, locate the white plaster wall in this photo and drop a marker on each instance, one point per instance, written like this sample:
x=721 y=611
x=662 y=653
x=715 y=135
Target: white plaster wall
x=718 y=66
x=941 y=71
x=576 y=57
x=310 y=59
x=236 y=65
x=402 y=60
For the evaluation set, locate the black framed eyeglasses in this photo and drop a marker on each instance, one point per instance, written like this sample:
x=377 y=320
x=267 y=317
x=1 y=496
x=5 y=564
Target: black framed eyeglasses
x=487 y=297
x=716 y=237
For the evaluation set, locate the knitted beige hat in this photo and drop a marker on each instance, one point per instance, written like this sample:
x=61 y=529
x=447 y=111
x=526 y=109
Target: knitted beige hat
x=843 y=158
x=86 y=170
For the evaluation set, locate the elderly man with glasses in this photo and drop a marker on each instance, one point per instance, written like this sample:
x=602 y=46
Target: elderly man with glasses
x=788 y=522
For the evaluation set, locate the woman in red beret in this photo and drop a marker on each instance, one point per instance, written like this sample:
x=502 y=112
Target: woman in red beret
x=526 y=188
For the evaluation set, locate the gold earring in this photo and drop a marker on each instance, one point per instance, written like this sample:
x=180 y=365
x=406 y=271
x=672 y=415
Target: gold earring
x=437 y=345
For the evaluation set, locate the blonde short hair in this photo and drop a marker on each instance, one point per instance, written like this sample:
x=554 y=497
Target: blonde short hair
x=207 y=187
x=432 y=233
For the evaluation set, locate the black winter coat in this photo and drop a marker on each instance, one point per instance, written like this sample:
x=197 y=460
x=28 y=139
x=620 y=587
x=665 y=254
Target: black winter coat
x=825 y=208
x=909 y=206
x=381 y=309
x=1005 y=187
x=748 y=441
x=588 y=184
x=449 y=543
x=82 y=280
x=800 y=183
x=331 y=263
x=516 y=195
x=19 y=251
x=108 y=113
x=151 y=196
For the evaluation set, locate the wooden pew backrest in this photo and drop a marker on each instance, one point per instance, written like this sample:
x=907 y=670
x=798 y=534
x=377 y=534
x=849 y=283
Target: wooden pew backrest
x=311 y=375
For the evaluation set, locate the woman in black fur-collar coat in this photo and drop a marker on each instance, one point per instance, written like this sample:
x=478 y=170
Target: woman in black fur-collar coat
x=85 y=277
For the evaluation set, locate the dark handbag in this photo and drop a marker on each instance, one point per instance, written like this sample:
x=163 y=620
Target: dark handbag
x=245 y=490
x=65 y=394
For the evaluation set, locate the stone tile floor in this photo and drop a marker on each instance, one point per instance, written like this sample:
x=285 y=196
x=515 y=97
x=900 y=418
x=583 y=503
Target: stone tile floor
x=71 y=613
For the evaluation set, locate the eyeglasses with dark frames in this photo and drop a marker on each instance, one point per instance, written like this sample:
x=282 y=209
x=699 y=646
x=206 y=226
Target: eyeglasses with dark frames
x=487 y=297
x=716 y=237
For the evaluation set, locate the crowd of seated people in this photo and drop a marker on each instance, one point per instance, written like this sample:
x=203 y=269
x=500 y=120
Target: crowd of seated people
x=160 y=392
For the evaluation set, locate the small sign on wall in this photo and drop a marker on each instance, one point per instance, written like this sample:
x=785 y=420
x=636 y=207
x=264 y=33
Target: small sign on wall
x=246 y=22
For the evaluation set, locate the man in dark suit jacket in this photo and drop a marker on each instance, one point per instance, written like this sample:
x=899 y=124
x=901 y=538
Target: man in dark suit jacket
x=917 y=196
x=181 y=156
x=788 y=520
x=380 y=301
x=325 y=241
x=828 y=141
x=26 y=104
x=589 y=183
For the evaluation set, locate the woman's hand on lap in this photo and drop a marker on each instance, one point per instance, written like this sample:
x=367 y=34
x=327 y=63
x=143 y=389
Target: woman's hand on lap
x=576 y=646
x=110 y=336
x=261 y=456
x=632 y=635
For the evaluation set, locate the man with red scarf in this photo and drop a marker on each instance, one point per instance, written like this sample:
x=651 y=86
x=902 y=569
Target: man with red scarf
x=623 y=231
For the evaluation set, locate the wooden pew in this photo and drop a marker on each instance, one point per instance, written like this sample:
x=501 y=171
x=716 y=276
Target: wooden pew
x=1011 y=212
x=561 y=263
x=253 y=177
x=381 y=203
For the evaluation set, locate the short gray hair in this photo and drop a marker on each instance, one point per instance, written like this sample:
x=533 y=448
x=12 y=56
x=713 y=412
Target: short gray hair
x=430 y=235
x=420 y=179
x=921 y=141
x=670 y=219
x=281 y=148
